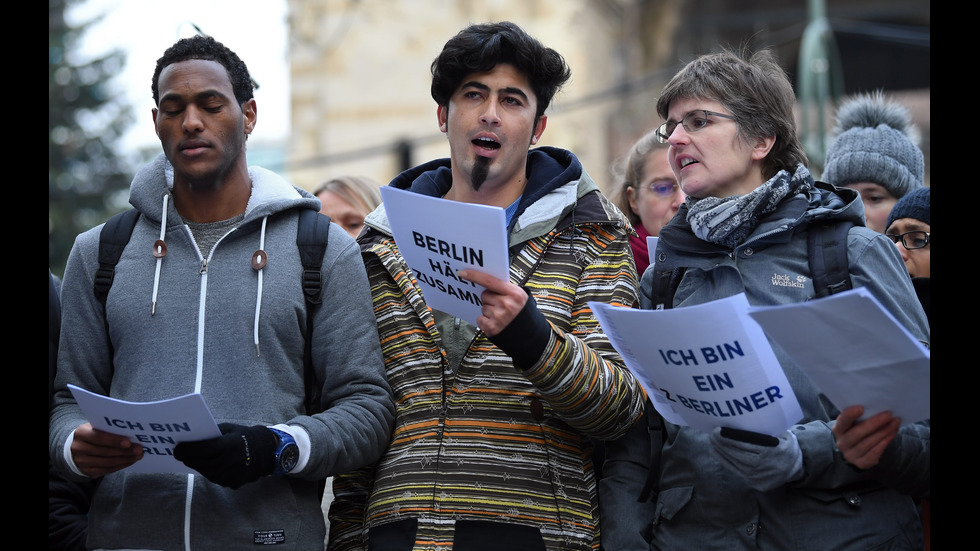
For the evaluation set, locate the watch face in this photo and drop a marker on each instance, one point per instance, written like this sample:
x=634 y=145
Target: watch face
x=289 y=457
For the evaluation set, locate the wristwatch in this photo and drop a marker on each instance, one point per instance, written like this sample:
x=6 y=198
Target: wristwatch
x=287 y=453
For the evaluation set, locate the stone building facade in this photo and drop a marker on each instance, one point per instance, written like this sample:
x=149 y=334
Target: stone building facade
x=360 y=70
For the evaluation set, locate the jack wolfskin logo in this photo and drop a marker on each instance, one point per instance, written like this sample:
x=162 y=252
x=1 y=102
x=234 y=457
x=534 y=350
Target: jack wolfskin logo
x=785 y=281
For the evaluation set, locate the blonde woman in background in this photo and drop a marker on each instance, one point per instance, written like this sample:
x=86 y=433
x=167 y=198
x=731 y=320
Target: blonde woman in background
x=348 y=199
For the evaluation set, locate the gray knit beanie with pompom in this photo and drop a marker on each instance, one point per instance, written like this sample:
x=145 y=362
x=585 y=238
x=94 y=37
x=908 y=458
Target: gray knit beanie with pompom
x=875 y=143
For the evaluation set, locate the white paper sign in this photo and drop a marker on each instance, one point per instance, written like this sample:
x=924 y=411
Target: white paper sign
x=855 y=351
x=157 y=426
x=705 y=366
x=438 y=238
x=652 y=249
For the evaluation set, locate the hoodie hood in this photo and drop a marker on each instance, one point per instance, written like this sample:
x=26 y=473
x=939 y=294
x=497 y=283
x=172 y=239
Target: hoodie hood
x=555 y=183
x=830 y=201
x=271 y=193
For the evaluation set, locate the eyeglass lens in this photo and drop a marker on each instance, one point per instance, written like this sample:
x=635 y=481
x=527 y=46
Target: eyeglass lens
x=692 y=122
x=663 y=189
x=911 y=240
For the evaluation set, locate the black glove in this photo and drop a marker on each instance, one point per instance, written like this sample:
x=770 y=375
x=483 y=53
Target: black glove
x=239 y=456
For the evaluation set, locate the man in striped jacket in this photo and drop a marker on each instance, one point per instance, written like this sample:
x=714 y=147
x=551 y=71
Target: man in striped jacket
x=492 y=441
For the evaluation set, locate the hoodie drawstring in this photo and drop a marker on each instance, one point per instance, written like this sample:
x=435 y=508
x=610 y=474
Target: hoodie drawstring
x=159 y=251
x=259 y=260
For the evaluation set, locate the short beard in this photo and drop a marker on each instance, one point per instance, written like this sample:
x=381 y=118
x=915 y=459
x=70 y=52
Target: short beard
x=481 y=168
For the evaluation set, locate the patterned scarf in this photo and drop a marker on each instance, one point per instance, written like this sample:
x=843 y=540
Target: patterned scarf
x=729 y=221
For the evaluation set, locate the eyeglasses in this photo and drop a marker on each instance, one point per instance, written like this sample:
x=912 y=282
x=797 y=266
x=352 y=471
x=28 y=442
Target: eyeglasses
x=911 y=240
x=663 y=188
x=694 y=121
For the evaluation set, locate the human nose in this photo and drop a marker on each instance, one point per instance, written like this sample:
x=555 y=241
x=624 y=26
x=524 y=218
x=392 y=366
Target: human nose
x=193 y=122
x=489 y=115
x=679 y=198
x=902 y=250
x=677 y=137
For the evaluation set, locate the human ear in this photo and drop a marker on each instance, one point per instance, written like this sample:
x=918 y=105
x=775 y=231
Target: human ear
x=762 y=147
x=442 y=115
x=539 y=127
x=631 y=196
x=250 y=114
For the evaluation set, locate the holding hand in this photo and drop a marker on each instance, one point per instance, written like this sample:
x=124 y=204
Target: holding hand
x=764 y=462
x=239 y=456
x=862 y=443
x=502 y=301
x=97 y=453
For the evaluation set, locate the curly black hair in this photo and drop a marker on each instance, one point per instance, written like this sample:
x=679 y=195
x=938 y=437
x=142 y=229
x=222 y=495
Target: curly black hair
x=479 y=48
x=206 y=47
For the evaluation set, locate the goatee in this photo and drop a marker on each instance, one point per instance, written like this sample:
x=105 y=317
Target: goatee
x=480 y=170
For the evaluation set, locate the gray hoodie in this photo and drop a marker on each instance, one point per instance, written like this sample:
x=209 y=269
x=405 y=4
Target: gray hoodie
x=217 y=326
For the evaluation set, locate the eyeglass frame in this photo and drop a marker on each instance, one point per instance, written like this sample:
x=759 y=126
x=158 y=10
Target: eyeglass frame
x=901 y=237
x=663 y=135
x=673 y=189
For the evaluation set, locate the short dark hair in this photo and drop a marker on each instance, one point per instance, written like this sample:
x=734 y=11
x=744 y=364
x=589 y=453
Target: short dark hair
x=207 y=48
x=757 y=91
x=479 y=48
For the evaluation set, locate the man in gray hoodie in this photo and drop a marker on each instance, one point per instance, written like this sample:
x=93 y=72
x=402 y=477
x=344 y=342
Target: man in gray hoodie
x=208 y=298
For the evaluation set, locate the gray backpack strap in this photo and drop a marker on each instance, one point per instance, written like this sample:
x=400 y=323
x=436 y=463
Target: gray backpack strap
x=827 y=254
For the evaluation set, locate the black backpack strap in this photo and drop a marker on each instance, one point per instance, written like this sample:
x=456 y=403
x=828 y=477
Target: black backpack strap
x=664 y=286
x=115 y=234
x=112 y=240
x=655 y=426
x=311 y=238
x=827 y=253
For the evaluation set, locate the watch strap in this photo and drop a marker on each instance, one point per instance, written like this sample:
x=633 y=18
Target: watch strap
x=288 y=445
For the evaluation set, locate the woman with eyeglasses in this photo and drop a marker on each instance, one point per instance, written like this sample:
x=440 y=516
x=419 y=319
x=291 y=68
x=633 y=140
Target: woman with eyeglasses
x=647 y=193
x=734 y=150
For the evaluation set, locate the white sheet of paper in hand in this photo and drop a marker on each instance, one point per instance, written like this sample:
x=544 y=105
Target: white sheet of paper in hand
x=651 y=249
x=438 y=238
x=855 y=351
x=157 y=426
x=705 y=366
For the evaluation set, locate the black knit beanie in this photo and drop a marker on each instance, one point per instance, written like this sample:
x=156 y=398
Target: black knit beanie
x=913 y=205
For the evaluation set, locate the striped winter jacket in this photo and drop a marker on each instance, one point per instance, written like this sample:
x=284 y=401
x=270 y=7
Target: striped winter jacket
x=483 y=449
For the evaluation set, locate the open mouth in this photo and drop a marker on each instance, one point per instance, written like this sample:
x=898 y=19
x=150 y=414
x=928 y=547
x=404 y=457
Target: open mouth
x=486 y=143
